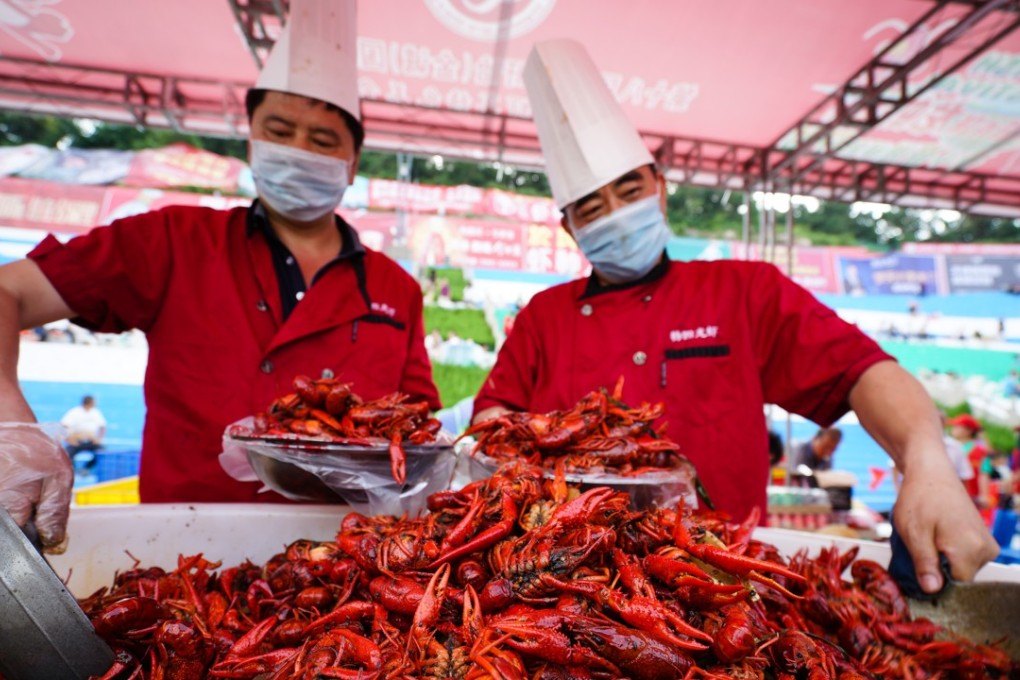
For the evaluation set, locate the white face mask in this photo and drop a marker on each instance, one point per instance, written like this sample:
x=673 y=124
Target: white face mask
x=300 y=185
x=627 y=243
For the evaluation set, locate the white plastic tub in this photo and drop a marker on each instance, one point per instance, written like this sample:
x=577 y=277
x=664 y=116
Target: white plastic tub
x=788 y=542
x=155 y=534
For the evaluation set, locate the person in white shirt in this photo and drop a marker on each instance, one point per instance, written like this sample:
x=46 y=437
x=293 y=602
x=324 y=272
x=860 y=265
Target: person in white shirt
x=958 y=458
x=84 y=428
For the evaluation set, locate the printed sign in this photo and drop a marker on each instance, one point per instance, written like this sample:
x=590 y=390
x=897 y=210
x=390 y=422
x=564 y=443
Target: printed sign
x=979 y=273
x=894 y=274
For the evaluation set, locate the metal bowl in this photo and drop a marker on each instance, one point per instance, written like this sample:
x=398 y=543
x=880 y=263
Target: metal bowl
x=652 y=489
x=359 y=474
x=43 y=631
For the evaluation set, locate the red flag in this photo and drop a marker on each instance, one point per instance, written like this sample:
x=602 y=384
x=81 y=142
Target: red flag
x=877 y=475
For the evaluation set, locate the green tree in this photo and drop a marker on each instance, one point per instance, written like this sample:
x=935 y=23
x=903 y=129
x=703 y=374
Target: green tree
x=131 y=138
x=979 y=229
x=448 y=172
x=691 y=210
x=832 y=224
x=17 y=129
x=697 y=210
x=378 y=164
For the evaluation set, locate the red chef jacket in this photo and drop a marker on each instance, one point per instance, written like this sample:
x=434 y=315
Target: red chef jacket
x=714 y=341
x=203 y=289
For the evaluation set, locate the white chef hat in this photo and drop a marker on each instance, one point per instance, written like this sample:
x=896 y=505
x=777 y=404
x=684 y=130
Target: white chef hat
x=586 y=139
x=316 y=55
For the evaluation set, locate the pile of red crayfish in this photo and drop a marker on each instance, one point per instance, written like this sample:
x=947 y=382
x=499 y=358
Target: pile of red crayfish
x=520 y=577
x=327 y=409
x=599 y=434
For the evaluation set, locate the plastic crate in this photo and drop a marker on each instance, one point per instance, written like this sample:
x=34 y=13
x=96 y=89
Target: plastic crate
x=116 y=464
x=117 y=492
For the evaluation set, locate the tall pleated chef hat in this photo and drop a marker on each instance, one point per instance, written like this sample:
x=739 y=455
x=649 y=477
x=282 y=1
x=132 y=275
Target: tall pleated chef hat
x=586 y=139
x=316 y=55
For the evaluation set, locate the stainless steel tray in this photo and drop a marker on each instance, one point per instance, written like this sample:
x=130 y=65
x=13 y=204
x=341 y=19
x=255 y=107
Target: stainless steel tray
x=43 y=631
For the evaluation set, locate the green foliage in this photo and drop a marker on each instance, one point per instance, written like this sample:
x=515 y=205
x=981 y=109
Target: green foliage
x=457 y=382
x=821 y=238
x=975 y=229
x=999 y=437
x=20 y=129
x=955 y=410
x=453 y=275
x=17 y=129
x=453 y=172
x=698 y=211
x=378 y=164
x=832 y=224
x=469 y=324
x=694 y=211
x=128 y=138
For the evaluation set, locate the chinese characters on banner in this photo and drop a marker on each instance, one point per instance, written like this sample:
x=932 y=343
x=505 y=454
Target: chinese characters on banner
x=813 y=268
x=514 y=233
x=975 y=267
x=893 y=274
x=490 y=244
x=387 y=194
x=180 y=165
x=64 y=208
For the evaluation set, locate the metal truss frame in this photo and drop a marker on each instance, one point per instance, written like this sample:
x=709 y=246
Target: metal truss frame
x=876 y=92
x=183 y=104
x=253 y=17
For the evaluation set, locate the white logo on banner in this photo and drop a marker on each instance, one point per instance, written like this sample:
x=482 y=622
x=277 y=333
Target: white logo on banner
x=480 y=19
x=36 y=25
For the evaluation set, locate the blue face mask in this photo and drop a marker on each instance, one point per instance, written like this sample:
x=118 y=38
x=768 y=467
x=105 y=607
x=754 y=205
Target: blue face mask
x=300 y=185
x=627 y=243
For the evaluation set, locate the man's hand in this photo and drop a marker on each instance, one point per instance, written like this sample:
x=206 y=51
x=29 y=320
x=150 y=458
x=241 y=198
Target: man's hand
x=933 y=512
x=36 y=477
x=935 y=515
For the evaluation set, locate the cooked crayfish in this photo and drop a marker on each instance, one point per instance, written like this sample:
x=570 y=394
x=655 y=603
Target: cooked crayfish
x=599 y=434
x=471 y=591
x=328 y=409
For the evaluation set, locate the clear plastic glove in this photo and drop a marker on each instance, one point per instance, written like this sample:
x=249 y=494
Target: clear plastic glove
x=36 y=477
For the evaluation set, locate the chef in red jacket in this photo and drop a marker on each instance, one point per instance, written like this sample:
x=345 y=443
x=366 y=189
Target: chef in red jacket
x=234 y=304
x=714 y=341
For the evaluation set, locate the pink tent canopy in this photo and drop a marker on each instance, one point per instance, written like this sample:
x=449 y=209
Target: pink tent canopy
x=906 y=101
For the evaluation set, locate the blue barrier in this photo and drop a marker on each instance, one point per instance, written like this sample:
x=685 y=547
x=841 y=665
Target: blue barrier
x=1004 y=527
x=116 y=464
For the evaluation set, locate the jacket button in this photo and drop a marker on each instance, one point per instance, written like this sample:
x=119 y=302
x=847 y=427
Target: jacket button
x=327 y=374
x=266 y=366
x=586 y=310
x=262 y=306
x=647 y=298
x=640 y=358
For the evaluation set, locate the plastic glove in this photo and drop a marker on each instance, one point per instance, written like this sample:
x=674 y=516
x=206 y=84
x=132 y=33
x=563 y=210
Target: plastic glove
x=36 y=477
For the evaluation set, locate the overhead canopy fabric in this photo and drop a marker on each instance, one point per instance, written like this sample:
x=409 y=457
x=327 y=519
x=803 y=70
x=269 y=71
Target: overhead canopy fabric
x=908 y=101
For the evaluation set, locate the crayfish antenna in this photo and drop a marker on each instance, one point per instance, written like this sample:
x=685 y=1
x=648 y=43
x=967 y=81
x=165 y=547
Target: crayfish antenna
x=618 y=389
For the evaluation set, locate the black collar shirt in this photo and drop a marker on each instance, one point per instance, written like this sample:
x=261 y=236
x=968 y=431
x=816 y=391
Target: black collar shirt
x=288 y=272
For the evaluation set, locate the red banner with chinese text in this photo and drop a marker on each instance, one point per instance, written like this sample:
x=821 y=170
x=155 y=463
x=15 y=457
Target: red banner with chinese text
x=182 y=165
x=51 y=206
